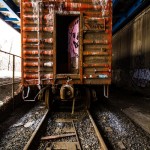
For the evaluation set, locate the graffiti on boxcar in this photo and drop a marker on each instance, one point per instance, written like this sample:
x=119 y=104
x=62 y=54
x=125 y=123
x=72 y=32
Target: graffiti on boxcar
x=116 y=75
x=141 y=77
x=74 y=43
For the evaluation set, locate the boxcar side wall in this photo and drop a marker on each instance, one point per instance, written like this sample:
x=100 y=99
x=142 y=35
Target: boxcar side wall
x=40 y=37
x=131 y=54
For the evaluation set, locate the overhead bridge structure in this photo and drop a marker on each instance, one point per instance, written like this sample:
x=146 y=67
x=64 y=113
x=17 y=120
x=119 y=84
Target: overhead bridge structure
x=10 y=13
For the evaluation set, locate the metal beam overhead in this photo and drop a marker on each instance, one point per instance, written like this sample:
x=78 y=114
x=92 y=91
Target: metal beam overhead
x=16 y=26
x=2 y=16
x=115 y=2
x=9 y=22
x=10 y=19
x=138 y=4
x=3 y=9
x=9 y=12
x=11 y=7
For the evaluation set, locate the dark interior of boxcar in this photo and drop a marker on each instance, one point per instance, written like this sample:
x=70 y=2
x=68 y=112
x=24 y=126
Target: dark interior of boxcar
x=62 y=53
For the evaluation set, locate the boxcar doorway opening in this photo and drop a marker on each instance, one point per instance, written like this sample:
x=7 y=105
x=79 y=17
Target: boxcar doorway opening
x=67 y=44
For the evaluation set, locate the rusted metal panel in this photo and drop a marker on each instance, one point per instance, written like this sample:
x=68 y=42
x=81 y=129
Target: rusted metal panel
x=72 y=76
x=81 y=49
x=38 y=29
x=50 y=29
x=95 y=41
x=34 y=70
x=69 y=6
x=35 y=40
x=35 y=52
x=96 y=65
x=94 y=24
x=97 y=80
x=96 y=70
x=35 y=76
x=96 y=53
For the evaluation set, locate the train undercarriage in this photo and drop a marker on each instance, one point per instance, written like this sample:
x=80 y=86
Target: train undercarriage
x=66 y=96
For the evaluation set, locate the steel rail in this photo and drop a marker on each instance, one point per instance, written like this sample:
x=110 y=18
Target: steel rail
x=9 y=83
x=5 y=81
x=103 y=145
x=27 y=146
x=100 y=139
x=77 y=137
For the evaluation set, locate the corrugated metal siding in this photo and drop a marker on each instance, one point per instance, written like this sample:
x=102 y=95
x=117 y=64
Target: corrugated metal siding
x=95 y=41
x=97 y=48
x=146 y=41
x=131 y=52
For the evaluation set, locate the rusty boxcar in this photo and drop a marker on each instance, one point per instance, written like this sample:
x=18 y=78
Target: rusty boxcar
x=66 y=44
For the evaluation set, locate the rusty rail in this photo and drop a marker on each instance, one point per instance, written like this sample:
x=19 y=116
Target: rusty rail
x=27 y=146
x=30 y=143
x=103 y=145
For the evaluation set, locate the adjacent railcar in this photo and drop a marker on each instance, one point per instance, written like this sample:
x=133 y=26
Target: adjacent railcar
x=66 y=44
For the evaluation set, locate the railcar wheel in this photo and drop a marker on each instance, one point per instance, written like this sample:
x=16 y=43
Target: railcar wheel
x=48 y=98
x=87 y=98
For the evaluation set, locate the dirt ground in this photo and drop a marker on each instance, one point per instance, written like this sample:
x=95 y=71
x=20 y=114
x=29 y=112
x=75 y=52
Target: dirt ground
x=7 y=104
x=136 y=106
x=6 y=90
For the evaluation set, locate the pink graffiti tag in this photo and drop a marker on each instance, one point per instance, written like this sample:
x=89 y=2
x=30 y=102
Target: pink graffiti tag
x=73 y=42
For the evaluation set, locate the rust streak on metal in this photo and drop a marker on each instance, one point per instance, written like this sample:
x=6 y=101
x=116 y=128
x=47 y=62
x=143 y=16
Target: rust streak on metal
x=35 y=76
x=35 y=52
x=88 y=41
x=96 y=14
x=34 y=40
x=70 y=6
x=80 y=6
x=34 y=70
x=31 y=46
x=49 y=29
x=95 y=53
x=30 y=22
x=34 y=64
x=95 y=65
x=35 y=58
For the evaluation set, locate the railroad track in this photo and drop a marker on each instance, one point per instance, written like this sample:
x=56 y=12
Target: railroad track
x=66 y=132
x=8 y=81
